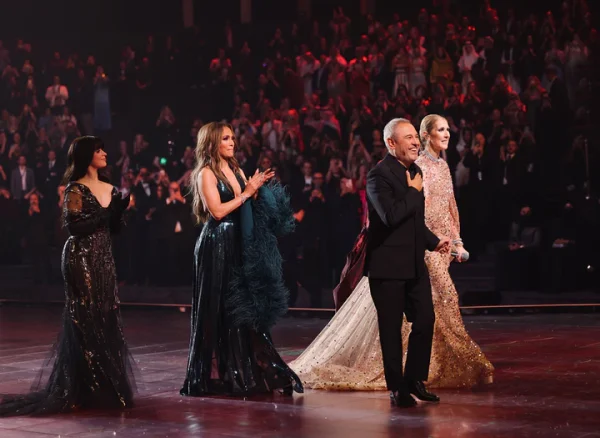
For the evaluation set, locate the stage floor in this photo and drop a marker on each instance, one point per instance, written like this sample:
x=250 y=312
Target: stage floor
x=547 y=385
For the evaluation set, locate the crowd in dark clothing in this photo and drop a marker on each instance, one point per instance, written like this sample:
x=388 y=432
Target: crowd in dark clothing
x=310 y=103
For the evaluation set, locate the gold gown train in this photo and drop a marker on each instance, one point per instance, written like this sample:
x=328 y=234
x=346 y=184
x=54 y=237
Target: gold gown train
x=346 y=355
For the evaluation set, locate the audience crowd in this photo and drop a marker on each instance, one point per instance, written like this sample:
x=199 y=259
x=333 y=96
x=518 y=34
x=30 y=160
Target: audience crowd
x=311 y=102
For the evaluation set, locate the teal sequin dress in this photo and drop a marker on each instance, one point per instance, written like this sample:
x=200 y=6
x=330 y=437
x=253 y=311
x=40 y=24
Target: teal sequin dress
x=236 y=300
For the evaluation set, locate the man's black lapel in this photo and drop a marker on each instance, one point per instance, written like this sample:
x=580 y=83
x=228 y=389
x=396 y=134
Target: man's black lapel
x=397 y=169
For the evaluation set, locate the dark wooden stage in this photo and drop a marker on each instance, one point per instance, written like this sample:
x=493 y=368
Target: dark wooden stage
x=547 y=385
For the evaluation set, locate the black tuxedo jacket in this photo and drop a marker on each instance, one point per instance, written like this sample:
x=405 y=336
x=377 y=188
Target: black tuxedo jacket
x=397 y=235
x=142 y=200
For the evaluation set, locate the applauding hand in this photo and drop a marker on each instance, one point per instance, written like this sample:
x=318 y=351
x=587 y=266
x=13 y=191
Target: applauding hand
x=257 y=180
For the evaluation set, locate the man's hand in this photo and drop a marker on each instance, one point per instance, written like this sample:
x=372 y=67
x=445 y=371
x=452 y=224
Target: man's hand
x=443 y=244
x=416 y=182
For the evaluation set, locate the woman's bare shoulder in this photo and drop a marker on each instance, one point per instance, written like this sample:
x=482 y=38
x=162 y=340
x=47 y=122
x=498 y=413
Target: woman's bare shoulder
x=206 y=174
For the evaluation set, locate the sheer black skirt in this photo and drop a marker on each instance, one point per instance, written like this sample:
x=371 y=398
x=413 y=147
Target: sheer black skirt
x=89 y=366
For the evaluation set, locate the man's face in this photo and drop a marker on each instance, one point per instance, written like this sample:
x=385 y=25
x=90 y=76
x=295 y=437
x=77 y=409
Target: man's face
x=144 y=174
x=173 y=189
x=266 y=163
x=318 y=180
x=336 y=164
x=405 y=143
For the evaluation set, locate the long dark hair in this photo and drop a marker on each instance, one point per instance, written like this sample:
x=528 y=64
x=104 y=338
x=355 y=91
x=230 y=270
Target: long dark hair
x=80 y=155
x=207 y=155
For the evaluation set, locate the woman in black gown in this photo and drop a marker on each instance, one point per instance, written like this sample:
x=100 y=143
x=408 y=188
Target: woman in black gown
x=90 y=364
x=235 y=299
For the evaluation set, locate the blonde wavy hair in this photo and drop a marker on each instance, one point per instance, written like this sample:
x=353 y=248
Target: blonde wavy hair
x=207 y=155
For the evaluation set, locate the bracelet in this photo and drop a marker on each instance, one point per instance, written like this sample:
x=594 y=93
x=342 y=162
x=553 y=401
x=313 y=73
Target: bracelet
x=457 y=241
x=244 y=198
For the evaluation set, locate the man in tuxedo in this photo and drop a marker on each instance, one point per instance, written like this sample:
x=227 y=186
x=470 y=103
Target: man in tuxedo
x=319 y=80
x=144 y=192
x=50 y=175
x=179 y=232
x=22 y=180
x=395 y=263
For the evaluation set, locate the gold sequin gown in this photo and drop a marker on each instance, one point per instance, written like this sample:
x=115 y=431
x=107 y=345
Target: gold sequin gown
x=346 y=355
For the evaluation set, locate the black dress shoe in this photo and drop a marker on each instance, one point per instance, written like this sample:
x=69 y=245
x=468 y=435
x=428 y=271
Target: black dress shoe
x=402 y=399
x=417 y=388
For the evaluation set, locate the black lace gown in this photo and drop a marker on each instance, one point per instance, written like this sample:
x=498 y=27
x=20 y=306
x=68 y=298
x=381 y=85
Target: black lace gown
x=90 y=366
x=225 y=358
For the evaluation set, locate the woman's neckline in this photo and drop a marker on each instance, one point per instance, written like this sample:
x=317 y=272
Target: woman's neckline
x=93 y=195
x=431 y=157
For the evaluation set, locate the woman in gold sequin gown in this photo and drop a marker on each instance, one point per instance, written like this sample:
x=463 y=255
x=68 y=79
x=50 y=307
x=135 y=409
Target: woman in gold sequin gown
x=346 y=355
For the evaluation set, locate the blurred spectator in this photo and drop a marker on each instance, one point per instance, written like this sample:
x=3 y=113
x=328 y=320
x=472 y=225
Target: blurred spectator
x=311 y=103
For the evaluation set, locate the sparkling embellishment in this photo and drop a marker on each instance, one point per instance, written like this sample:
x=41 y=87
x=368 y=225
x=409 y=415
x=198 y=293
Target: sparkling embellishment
x=91 y=366
x=431 y=157
x=346 y=355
